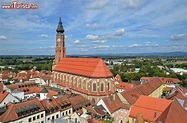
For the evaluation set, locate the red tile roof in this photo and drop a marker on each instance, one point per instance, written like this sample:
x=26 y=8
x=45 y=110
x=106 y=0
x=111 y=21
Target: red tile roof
x=11 y=115
x=150 y=86
x=5 y=76
x=124 y=85
x=131 y=95
x=146 y=88
x=3 y=95
x=50 y=105
x=1 y=87
x=78 y=101
x=150 y=106
x=64 y=102
x=163 y=79
x=111 y=105
x=176 y=113
x=90 y=67
x=30 y=87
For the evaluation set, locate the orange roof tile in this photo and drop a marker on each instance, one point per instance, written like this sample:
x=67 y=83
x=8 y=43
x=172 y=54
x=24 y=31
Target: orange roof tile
x=124 y=85
x=90 y=67
x=131 y=95
x=52 y=93
x=176 y=113
x=1 y=86
x=149 y=106
x=169 y=80
x=78 y=101
x=111 y=105
x=3 y=95
x=163 y=79
x=11 y=115
x=50 y=105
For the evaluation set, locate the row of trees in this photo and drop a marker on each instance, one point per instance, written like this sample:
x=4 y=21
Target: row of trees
x=147 y=68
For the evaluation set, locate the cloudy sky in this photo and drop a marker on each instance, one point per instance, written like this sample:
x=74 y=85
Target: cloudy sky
x=95 y=26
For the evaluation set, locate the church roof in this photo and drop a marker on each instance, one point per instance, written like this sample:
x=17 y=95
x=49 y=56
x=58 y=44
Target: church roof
x=89 y=67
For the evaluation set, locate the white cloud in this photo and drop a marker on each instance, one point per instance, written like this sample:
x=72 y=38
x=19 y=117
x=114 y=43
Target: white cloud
x=116 y=35
x=91 y=37
x=44 y=35
x=119 y=32
x=151 y=44
x=95 y=25
x=134 y=45
x=102 y=46
x=131 y=3
x=3 y=37
x=95 y=39
x=99 y=41
x=97 y=4
x=77 y=41
x=177 y=37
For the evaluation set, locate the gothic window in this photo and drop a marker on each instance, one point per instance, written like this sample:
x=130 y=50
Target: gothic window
x=79 y=84
x=94 y=86
x=74 y=82
x=102 y=87
x=67 y=78
x=83 y=84
x=108 y=85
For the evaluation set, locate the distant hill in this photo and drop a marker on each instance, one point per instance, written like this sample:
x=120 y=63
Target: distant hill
x=172 y=54
x=167 y=54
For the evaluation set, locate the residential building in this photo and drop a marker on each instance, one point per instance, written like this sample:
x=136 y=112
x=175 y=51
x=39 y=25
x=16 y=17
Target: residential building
x=120 y=85
x=115 y=108
x=150 y=109
x=24 y=112
x=176 y=114
x=6 y=97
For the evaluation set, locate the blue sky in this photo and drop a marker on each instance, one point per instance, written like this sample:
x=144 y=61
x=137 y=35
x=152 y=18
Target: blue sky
x=95 y=26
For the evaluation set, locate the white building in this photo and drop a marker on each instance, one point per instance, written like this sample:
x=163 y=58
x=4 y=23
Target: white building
x=6 y=97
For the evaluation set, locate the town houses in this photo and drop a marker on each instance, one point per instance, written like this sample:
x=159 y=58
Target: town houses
x=83 y=90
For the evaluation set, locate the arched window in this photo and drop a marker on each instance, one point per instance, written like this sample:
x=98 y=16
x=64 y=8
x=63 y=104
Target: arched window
x=94 y=86
x=102 y=87
x=108 y=85
x=83 y=84
x=79 y=83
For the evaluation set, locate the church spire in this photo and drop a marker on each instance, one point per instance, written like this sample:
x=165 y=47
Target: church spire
x=60 y=28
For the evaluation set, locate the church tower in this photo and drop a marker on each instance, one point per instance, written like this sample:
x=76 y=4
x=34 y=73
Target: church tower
x=60 y=50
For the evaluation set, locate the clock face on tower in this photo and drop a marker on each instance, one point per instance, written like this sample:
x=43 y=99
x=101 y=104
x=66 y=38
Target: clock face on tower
x=58 y=39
